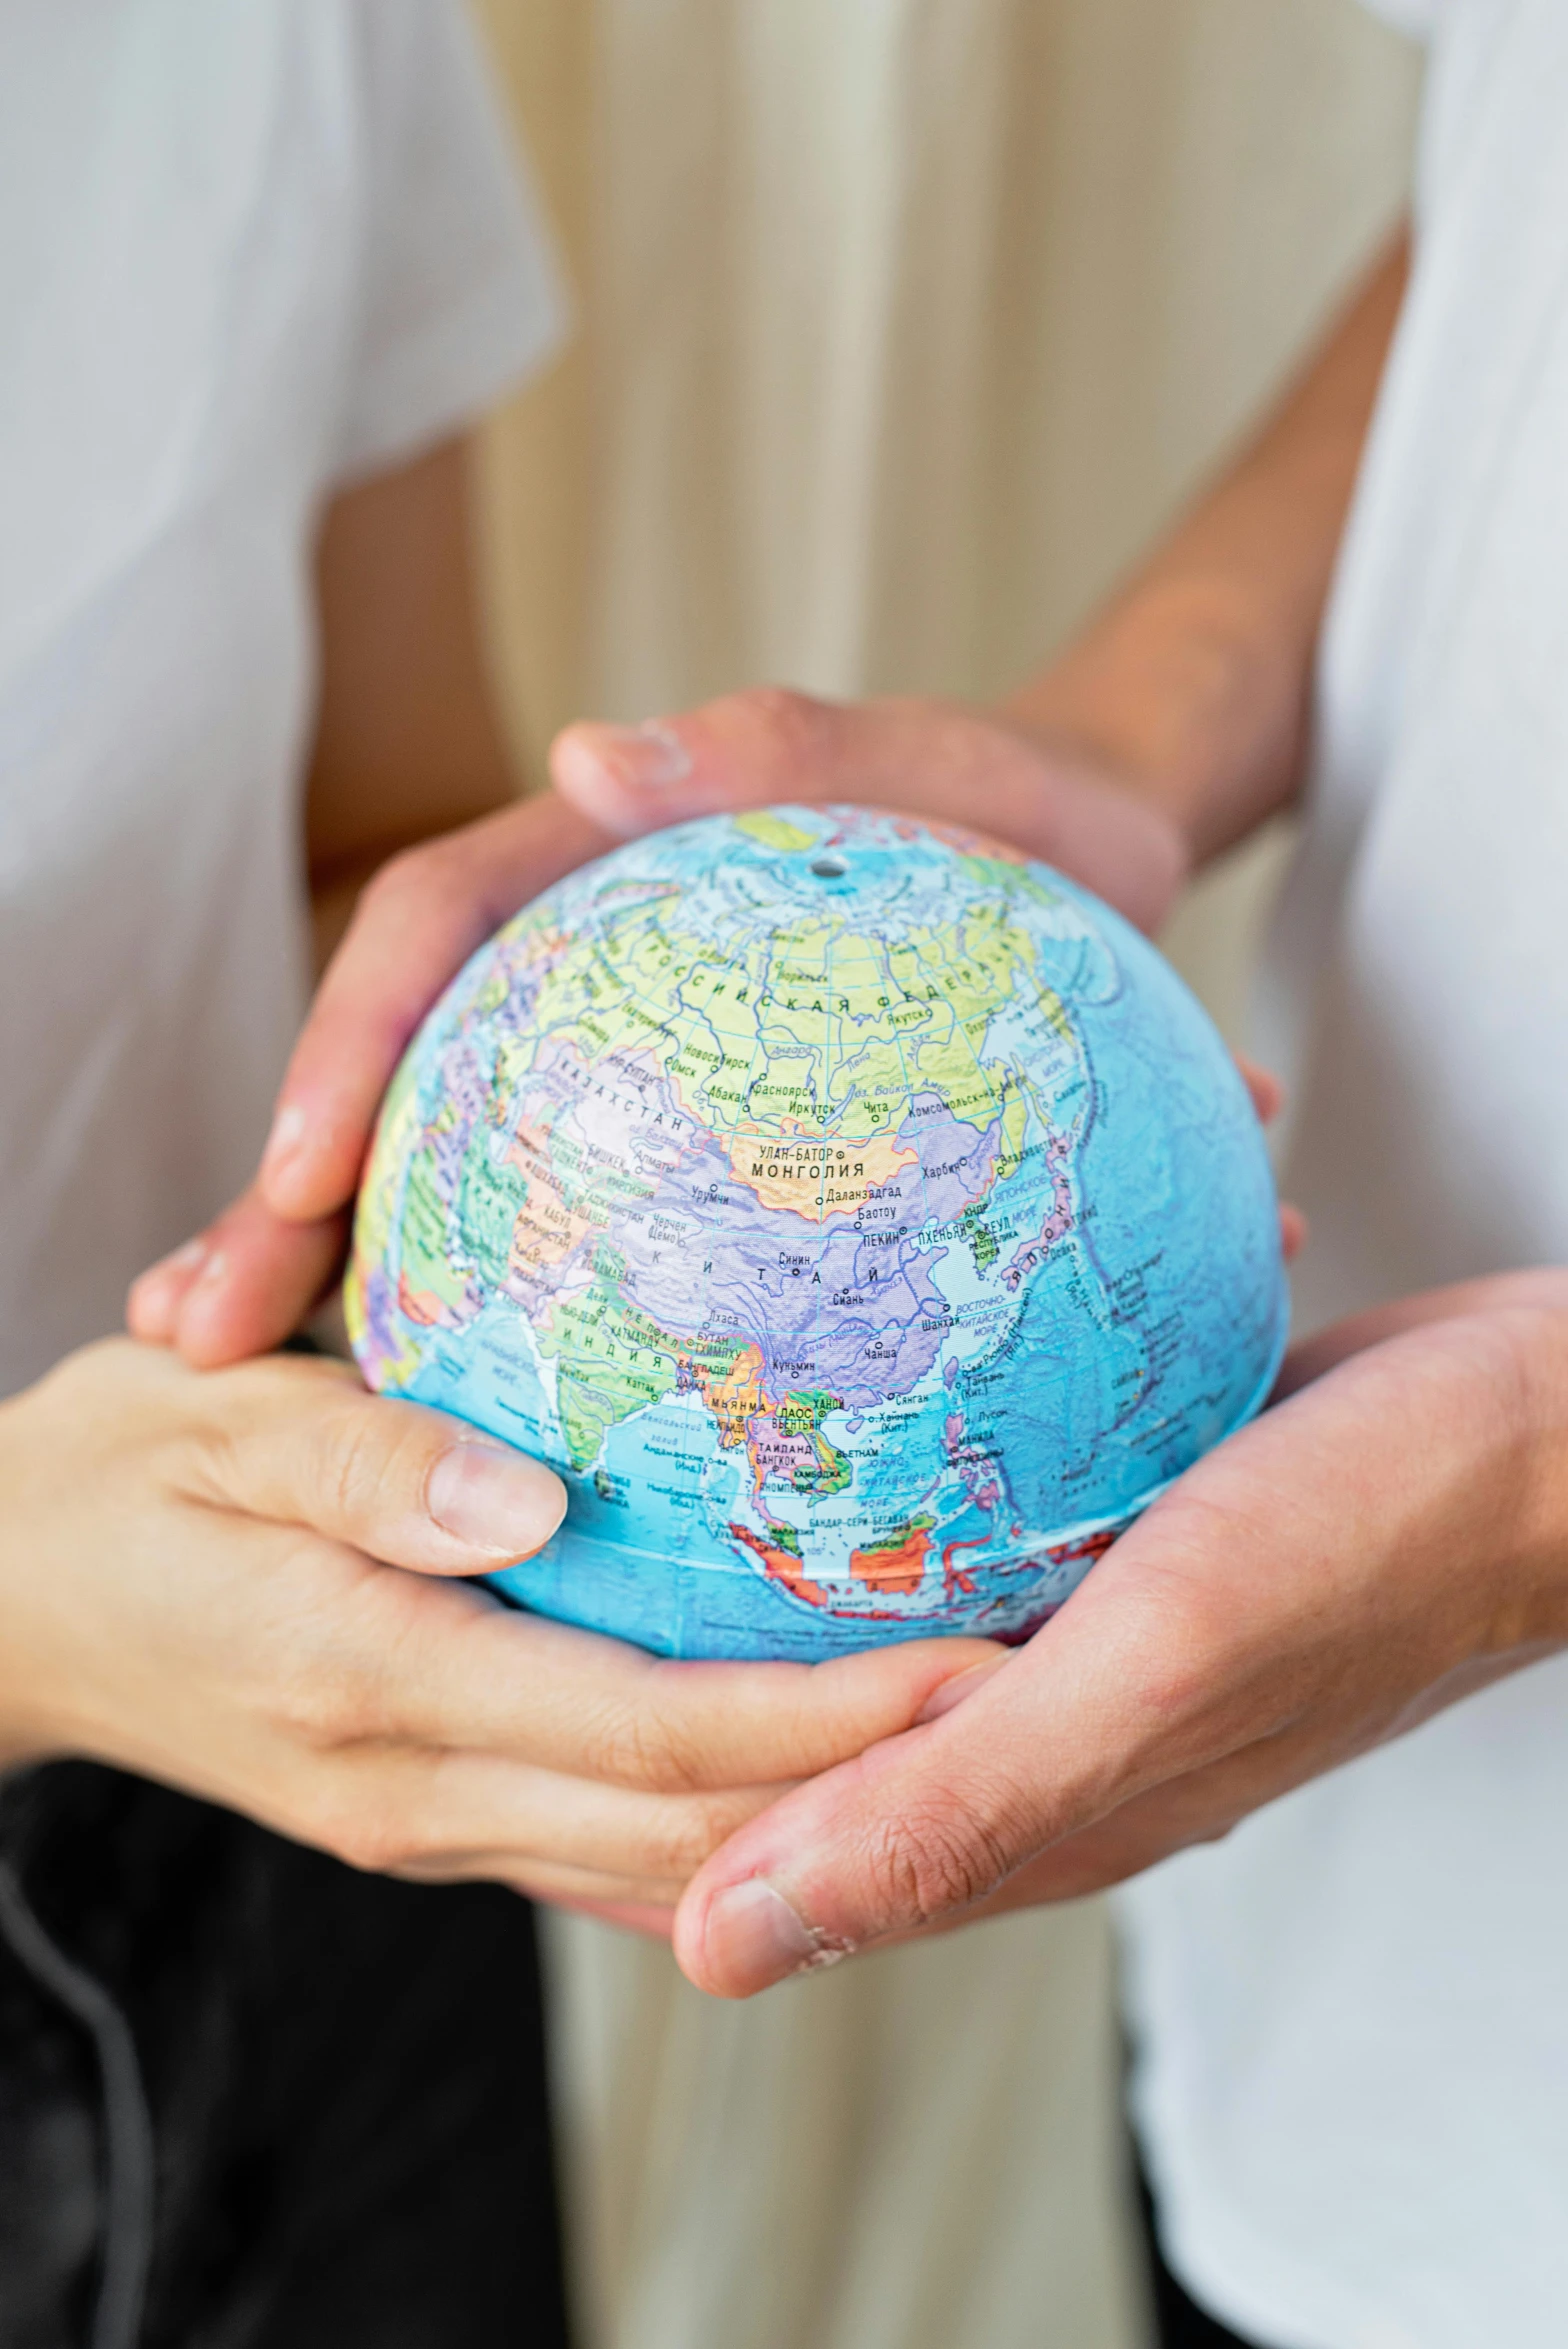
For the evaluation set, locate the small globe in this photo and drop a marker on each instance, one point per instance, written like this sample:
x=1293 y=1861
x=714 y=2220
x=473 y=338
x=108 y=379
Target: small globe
x=865 y=1222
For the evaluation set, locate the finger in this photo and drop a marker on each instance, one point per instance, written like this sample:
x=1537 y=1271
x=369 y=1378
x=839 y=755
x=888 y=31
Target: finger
x=303 y=1444
x=755 y=748
x=927 y=758
x=1313 y=1356
x=559 y=1882
x=654 y=1921
x=415 y=925
x=453 y=1814
x=906 y=1834
x=1203 y=1805
x=241 y=1287
x=591 y=1707
x=1268 y=1094
x=153 y=1301
x=1198 y=1809
x=930 y=1825
x=647 y=1909
x=1268 y=1098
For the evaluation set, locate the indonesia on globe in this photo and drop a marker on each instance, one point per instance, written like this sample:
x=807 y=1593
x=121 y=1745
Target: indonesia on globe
x=866 y=1222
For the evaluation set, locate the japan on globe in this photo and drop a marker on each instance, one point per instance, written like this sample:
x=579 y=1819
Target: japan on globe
x=864 y=1221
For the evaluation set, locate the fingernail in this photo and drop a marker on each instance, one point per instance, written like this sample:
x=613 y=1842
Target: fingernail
x=191 y=1308
x=494 y=1499
x=646 y=757
x=184 y=1259
x=155 y=1294
x=288 y=1131
x=753 y=1937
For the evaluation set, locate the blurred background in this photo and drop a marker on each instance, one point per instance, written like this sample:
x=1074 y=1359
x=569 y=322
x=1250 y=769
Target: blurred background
x=901 y=325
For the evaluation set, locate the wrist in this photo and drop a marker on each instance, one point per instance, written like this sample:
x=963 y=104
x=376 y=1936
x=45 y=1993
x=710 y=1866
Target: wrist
x=1189 y=699
x=1490 y=1482
x=1106 y=829
x=1537 y=1330
x=1195 y=680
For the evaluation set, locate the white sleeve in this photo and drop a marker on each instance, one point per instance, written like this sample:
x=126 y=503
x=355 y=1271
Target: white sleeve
x=1413 y=17
x=459 y=296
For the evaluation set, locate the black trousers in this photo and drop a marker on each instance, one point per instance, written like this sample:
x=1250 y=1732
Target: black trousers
x=250 y=2099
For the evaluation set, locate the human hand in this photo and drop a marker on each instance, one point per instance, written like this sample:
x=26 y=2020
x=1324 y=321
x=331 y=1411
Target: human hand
x=1056 y=798
x=1389 y=1538
x=245 y=1283
x=242 y=1584
x=1039 y=791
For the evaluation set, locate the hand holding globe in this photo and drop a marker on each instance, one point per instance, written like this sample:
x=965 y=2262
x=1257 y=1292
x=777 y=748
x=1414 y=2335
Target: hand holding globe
x=420 y=919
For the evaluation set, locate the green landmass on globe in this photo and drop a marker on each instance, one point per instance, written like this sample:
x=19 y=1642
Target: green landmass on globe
x=866 y=1223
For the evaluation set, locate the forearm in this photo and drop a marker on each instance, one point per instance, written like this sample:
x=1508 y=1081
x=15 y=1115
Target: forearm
x=1194 y=682
x=408 y=740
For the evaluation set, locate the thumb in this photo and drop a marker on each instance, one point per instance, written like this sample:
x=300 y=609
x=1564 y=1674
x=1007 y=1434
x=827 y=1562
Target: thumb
x=936 y=759
x=745 y=750
x=240 y=1286
x=415 y=925
x=302 y=1444
x=911 y=1831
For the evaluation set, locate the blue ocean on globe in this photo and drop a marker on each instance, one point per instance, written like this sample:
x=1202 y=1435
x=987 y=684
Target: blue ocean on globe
x=866 y=1222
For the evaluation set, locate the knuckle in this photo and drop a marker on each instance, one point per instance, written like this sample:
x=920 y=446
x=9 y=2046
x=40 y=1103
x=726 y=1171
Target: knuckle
x=349 y=1464
x=933 y=1858
x=790 y=723
x=324 y=1710
x=331 y=1690
x=202 y=1461
x=363 y=1833
x=369 y=1457
x=403 y=876
x=632 y=1746
x=402 y=892
x=692 y=1834
x=678 y=1756
x=1188 y=1629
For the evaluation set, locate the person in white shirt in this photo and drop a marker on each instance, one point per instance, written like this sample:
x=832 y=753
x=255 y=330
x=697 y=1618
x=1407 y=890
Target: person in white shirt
x=259 y=265
x=1326 y=1670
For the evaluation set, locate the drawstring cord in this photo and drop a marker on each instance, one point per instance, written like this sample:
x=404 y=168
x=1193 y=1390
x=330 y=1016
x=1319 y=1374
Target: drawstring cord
x=128 y=2145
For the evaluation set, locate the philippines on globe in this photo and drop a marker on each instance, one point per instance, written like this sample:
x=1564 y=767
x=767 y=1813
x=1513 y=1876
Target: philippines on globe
x=866 y=1222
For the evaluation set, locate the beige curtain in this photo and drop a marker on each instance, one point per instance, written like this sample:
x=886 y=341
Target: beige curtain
x=902 y=323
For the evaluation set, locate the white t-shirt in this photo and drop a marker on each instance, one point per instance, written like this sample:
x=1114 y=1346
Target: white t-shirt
x=1353 y=2014
x=247 y=253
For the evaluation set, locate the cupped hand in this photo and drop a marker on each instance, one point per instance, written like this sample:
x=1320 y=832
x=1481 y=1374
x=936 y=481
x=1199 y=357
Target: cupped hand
x=1388 y=1538
x=242 y=1584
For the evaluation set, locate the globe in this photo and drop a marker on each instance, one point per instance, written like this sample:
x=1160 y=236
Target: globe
x=865 y=1222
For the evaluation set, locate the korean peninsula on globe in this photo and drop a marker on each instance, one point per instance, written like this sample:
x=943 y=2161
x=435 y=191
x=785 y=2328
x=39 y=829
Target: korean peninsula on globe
x=865 y=1222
